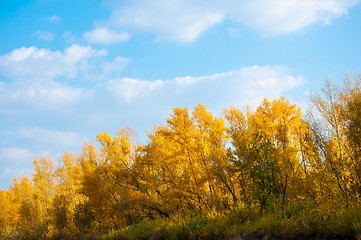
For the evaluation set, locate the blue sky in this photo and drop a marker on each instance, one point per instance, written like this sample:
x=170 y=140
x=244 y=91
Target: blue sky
x=70 y=69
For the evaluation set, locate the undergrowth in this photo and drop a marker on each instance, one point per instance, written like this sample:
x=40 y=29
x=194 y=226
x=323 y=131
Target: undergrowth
x=249 y=222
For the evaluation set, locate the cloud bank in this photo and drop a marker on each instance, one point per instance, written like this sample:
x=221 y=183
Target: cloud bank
x=44 y=110
x=117 y=102
x=248 y=85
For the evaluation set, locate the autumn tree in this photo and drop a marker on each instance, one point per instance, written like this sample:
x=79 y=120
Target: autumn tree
x=188 y=161
x=67 y=193
x=97 y=204
x=266 y=150
x=335 y=123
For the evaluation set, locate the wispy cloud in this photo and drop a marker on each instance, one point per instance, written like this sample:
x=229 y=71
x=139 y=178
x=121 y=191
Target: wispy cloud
x=114 y=66
x=120 y=101
x=54 y=19
x=185 y=20
x=14 y=154
x=69 y=37
x=233 y=31
x=44 y=136
x=44 y=35
x=248 y=85
x=105 y=36
x=128 y=88
x=281 y=17
x=181 y=21
x=38 y=92
x=75 y=61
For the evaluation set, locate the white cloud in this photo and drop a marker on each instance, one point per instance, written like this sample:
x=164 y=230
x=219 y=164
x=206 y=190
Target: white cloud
x=233 y=31
x=115 y=66
x=274 y=17
x=69 y=37
x=128 y=88
x=17 y=160
x=105 y=36
x=140 y=103
x=19 y=155
x=54 y=19
x=40 y=92
x=44 y=35
x=39 y=139
x=248 y=85
x=178 y=20
x=46 y=136
x=75 y=61
x=185 y=20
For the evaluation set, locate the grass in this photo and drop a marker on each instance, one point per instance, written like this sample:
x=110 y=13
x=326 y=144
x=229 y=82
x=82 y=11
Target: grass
x=245 y=222
x=248 y=222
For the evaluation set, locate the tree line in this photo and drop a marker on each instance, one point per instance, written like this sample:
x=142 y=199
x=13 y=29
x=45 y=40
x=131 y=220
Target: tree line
x=271 y=157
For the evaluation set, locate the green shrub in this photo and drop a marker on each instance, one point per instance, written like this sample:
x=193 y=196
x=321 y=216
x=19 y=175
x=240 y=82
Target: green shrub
x=247 y=221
